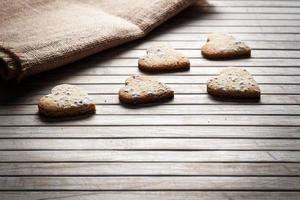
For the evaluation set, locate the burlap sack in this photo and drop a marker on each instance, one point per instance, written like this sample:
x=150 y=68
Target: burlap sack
x=39 y=35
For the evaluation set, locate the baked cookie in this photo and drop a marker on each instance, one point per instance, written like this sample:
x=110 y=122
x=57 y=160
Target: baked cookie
x=163 y=58
x=221 y=46
x=142 y=89
x=66 y=100
x=234 y=82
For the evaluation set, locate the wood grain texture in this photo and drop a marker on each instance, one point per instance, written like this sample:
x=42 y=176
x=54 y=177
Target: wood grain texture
x=196 y=21
x=150 y=195
x=201 y=79
x=196 y=53
x=252 y=10
x=258 y=3
x=256 y=45
x=150 y=144
x=134 y=120
x=254 y=109
x=241 y=36
x=193 y=147
x=150 y=183
x=199 y=62
x=194 y=71
x=150 y=132
x=150 y=169
x=150 y=156
x=240 y=16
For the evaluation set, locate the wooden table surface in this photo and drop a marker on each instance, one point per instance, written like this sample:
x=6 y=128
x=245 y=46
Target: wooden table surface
x=194 y=147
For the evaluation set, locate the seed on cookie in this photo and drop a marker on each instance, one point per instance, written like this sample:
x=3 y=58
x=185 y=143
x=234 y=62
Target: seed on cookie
x=66 y=100
x=221 y=46
x=163 y=58
x=240 y=85
x=143 y=89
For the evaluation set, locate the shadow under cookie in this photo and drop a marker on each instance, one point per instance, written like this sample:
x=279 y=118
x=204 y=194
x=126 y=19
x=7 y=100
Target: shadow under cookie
x=235 y=100
x=79 y=117
x=149 y=104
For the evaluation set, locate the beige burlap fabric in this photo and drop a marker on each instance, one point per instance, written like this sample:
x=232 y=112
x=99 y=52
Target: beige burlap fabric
x=39 y=35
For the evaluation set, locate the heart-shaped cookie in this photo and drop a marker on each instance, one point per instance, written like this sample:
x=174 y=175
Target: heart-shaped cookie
x=142 y=89
x=66 y=100
x=234 y=82
x=163 y=58
x=220 y=46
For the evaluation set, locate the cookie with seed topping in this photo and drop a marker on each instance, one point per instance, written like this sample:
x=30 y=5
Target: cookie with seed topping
x=163 y=58
x=143 y=89
x=221 y=46
x=66 y=100
x=234 y=82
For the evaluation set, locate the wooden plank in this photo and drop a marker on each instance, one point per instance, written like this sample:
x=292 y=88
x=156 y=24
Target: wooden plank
x=151 y=132
x=253 y=10
x=249 y=3
x=149 y=144
x=211 y=145
x=189 y=13
x=149 y=195
x=150 y=156
x=150 y=183
x=178 y=88
x=91 y=68
x=101 y=62
x=259 y=45
x=241 y=36
x=133 y=120
x=249 y=30
x=172 y=110
x=152 y=169
x=57 y=78
x=181 y=99
x=197 y=54
x=198 y=21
